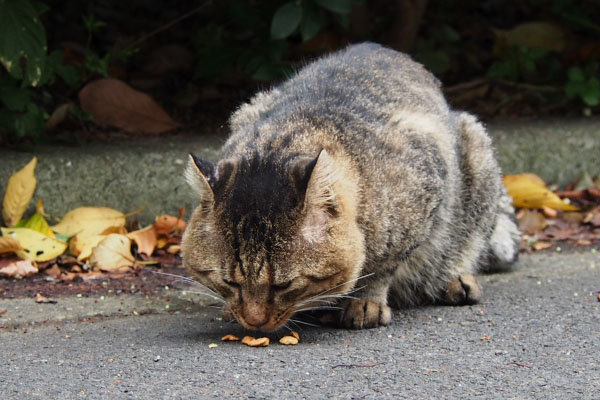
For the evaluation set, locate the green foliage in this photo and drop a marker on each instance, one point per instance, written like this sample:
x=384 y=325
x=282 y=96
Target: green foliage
x=584 y=83
x=516 y=63
x=29 y=72
x=22 y=40
x=286 y=20
x=436 y=51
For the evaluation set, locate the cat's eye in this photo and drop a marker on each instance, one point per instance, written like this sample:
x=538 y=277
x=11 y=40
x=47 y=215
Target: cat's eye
x=281 y=286
x=232 y=283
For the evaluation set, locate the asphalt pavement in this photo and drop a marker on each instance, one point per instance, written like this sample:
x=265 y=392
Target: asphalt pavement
x=536 y=335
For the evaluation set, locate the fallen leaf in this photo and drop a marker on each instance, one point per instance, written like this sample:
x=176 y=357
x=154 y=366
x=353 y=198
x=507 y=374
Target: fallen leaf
x=36 y=246
x=113 y=102
x=165 y=224
x=593 y=217
x=541 y=245
x=82 y=246
x=89 y=221
x=9 y=245
x=19 y=191
x=583 y=242
x=531 y=222
x=526 y=192
x=145 y=239
x=112 y=253
x=537 y=35
x=43 y=299
x=59 y=114
x=174 y=249
x=549 y=212
x=37 y=222
x=16 y=268
x=53 y=272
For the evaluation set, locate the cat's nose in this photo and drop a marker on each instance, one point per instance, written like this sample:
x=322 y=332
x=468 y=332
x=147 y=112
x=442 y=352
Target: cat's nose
x=255 y=315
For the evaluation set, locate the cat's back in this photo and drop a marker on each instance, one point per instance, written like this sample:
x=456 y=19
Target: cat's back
x=353 y=93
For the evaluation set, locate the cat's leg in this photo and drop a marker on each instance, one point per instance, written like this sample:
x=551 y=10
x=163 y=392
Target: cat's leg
x=463 y=289
x=478 y=216
x=369 y=308
x=504 y=243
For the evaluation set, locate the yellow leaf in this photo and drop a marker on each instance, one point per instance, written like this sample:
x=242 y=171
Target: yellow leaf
x=536 y=35
x=36 y=246
x=37 y=222
x=528 y=192
x=19 y=191
x=145 y=239
x=9 y=245
x=16 y=268
x=82 y=246
x=112 y=253
x=88 y=221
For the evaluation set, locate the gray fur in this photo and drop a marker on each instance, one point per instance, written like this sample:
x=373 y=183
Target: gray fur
x=419 y=181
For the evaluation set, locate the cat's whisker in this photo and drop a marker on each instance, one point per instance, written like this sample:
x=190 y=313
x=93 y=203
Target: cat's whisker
x=215 y=297
x=320 y=308
x=346 y=282
x=186 y=279
x=297 y=321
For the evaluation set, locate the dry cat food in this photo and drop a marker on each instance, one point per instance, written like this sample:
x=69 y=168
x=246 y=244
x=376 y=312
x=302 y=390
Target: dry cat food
x=256 y=342
x=230 y=338
x=292 y=339
x=288 y=340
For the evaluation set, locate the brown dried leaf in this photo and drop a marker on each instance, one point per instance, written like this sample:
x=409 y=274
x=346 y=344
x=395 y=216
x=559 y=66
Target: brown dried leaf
x=174 y=249
x=39 y=298
x=14 y=267
x=165 y=224
x=531 y=222
x=112 y=253
x=145 y=239
x=59 y=114
x=113 y=102
x=541 y=245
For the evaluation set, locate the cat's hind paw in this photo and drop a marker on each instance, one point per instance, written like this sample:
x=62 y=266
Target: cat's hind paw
x=462 y=290
x=365 y=313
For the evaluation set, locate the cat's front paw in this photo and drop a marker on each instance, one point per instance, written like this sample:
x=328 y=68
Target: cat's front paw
x=462 y=290
x=364 y=313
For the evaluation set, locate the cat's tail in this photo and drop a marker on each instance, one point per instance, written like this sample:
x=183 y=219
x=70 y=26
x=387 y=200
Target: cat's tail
x=503 y=250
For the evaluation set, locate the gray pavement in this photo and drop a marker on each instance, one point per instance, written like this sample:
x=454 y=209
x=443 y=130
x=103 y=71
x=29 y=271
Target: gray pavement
x=128 y=174
x=536 y=335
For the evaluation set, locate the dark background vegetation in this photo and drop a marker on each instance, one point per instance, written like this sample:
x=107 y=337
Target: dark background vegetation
x=200 y=59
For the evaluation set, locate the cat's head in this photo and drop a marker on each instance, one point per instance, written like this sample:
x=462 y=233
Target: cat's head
x=273 y=237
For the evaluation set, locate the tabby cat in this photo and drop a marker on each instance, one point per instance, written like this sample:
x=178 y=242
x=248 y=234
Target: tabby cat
x=350 y=185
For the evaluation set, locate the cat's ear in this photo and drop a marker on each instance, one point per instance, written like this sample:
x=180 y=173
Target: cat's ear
x=208 y=179
x=320 y=189
x=201 y=175
x=321 y=202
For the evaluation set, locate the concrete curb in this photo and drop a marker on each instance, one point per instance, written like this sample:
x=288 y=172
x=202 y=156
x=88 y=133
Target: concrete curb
x=129 y=174
x=24 y=312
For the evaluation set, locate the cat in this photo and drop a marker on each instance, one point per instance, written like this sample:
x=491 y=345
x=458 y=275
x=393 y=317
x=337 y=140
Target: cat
x=350 y=186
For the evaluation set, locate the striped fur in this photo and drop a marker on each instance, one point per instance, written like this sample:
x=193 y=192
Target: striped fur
x=352 y=175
